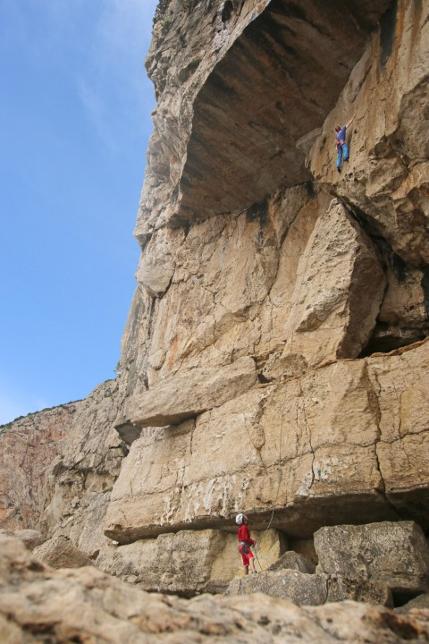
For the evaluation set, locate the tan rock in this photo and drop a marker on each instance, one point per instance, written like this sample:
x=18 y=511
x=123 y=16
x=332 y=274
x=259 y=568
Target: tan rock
x=402 y=319
x=81 y=479
x=247 y=311
x=90 y=605
x=30 y=538
x=395 y=553
x=224 y=271
x=301 y=588
x=232 y=109
x=291 y=560
x=190 y=393
x=187 y=562
x=157 y=263
x=296 y=447
x=403 y=382
x=371 y=591
x=59 y=552
x=329 y=318
x=386 y=178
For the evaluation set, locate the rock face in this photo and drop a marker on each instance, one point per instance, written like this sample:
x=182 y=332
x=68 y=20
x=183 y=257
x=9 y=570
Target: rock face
x=30 y=538
x=187 y=562
x=394 y=553
x=291 y=560
x=59 y=552
x=69 y=457
x=192 y=393
x=301 y=588
x=276 y=356
x=326 y=442
x=26 y=447
x=82 y=476
x=379 y=563
x=232 y=86
x=386 y=178
x=329 y=318
x=84 y=604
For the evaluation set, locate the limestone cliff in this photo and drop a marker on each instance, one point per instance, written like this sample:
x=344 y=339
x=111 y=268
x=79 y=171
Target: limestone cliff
x=275 y=359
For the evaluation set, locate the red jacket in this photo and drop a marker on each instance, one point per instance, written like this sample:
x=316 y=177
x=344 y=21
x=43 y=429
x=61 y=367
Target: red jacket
x=243 y=535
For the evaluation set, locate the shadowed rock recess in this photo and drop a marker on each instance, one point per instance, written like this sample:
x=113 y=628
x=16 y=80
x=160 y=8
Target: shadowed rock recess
x=276 y=356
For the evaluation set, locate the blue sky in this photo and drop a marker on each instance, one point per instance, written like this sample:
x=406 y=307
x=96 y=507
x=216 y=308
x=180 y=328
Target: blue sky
x=75 y=111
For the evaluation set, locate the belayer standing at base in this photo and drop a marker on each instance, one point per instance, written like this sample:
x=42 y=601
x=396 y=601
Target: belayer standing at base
x=245 y=542
x=341 y=144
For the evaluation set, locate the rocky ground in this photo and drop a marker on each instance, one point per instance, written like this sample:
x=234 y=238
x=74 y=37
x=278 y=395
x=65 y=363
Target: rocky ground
x=40 y=604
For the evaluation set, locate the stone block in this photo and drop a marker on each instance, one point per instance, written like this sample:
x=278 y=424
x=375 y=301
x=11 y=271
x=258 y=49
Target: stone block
x=191 y=393
x=395 y=553
x=301 y=588
x=59 y=552
x=291 y=560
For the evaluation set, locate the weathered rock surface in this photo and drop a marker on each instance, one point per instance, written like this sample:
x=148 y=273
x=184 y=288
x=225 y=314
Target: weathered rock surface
x=192 y=393
x=380 y=563
x=250 y=376
x=301 y=588
x=371 y=591
x=30 y=538
x=403 y=318
x=59 y=552
x=85 y=604
x=306 y=589
x=81 y=478
x=386 y=179
x=329 y=318
x=317 y=449
x=291 y=560
x=395 y=553
x=241 y=87
x=187 y=562
x=27 y=446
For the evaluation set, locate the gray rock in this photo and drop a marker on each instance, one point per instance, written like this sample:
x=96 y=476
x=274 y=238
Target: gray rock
x=292 y=560
x=128 y=432
x=59 y=552
x=301 y=588
x=395 y=553
x=40 y=604
x=30 y=538
x=363 y=590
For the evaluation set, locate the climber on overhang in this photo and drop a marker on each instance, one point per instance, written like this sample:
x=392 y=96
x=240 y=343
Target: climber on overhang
x=245 y=542
x=341 y=144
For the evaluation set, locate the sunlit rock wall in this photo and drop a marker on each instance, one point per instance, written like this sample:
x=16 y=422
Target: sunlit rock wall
x=275 y=359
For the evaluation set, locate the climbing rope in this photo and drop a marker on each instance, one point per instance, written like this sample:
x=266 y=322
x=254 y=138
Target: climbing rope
x=280 y=478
